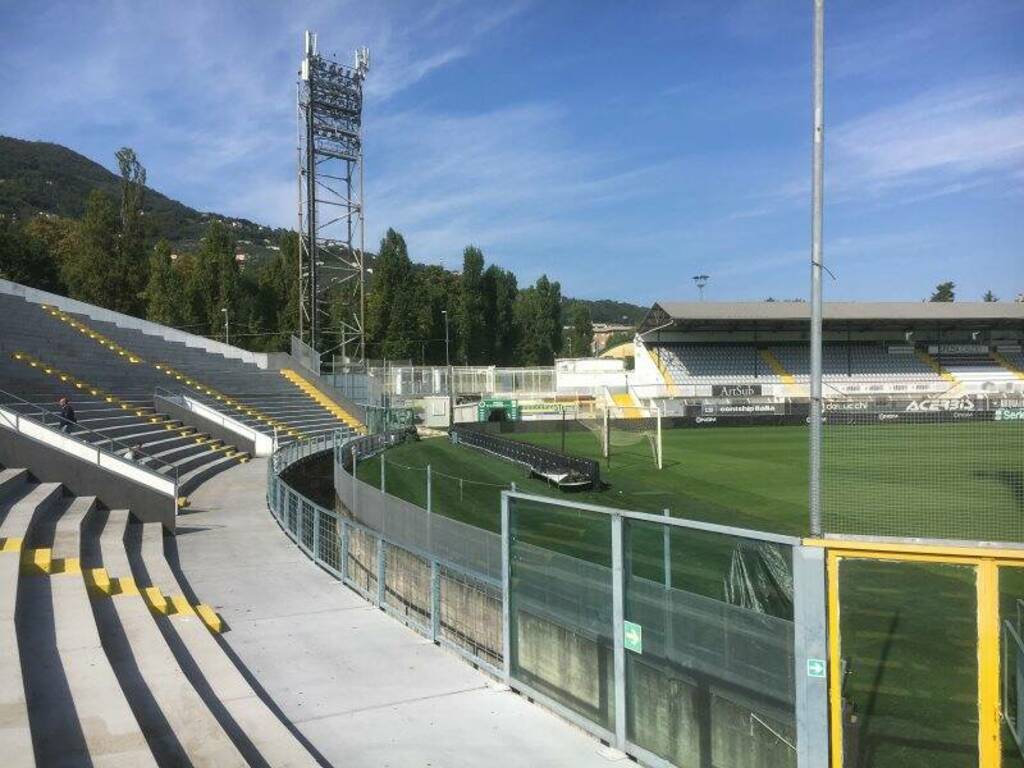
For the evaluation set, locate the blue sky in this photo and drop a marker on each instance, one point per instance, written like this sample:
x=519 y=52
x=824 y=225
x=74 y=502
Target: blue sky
x=619 y=147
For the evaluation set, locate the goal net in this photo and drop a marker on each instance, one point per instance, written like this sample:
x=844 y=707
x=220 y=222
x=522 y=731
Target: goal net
x=620 y=430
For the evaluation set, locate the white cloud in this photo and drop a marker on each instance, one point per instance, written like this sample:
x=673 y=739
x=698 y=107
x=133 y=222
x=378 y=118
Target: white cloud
x=969 y=128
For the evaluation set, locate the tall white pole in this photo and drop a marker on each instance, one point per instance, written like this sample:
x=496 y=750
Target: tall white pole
x=817 y=195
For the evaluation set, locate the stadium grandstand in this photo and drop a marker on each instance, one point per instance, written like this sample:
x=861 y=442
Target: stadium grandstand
x=759 y=349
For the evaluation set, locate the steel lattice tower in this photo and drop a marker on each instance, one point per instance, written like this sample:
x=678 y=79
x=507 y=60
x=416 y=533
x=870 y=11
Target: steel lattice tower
x=331 y=238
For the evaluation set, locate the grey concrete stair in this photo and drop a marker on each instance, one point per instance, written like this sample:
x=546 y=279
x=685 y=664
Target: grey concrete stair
x=18 y=511
x=77 y=708
x=176 y=721
x=259 y=734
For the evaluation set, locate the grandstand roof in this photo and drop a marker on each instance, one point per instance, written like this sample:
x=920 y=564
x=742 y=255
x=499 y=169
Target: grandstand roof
x=731 y=313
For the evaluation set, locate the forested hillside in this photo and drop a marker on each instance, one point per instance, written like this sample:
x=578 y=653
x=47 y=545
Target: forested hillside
x=70 y=226
x=37 y=177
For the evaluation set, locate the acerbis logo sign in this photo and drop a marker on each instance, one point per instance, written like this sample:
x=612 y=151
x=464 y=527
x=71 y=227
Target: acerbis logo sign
x=931 y=406
x=1009 y=414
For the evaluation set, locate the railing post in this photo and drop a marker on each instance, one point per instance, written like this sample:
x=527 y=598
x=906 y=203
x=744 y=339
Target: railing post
x=316 y=534
x=435 y=600
x=506 y=623
x=343 y=532
x=383 y=482
x=382 y=572
x=355 y=479
x=429 y=508
x=667 y=551
x=810 y=643
x=618 y=629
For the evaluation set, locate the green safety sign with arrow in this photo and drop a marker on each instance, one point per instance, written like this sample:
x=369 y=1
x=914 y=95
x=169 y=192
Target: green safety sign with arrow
x=633 y=637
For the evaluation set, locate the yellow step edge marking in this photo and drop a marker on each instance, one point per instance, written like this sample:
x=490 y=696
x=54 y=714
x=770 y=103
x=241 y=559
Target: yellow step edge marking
x=307 y=388
x=65 y=565
x=1008 y=364
x=97 y=579
x=210 y=618
x=181 y=605
x=155 y=599
x=777 y=367
x=11 y=544
x=934 y=364
x=36 y=560
x=41 y=561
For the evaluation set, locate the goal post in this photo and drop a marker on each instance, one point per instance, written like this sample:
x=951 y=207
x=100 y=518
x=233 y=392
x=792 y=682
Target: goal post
x=627 y=427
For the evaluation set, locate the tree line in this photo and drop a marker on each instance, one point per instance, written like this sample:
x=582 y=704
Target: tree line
x=107 y=258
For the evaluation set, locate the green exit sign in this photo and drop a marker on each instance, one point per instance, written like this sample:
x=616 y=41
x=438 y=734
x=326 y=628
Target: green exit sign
x=633 y=637
x=816 y=668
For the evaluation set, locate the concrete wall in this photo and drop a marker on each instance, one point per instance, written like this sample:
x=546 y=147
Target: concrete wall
x=84 y=478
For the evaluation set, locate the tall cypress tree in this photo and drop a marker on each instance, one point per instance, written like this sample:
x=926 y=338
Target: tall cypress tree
x=471 y=320
x=163 y=290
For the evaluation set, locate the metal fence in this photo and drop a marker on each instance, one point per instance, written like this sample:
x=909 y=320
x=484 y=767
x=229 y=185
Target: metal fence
x=622 y=622
x=438 y=576
x=307 y=357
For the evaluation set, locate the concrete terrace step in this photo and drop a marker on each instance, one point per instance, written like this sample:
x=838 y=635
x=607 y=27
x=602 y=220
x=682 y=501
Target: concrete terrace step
x=262 y=738
x=78 y=711
x=18 y=512
x=193 y=478
x=177 y=723
x=12 y=481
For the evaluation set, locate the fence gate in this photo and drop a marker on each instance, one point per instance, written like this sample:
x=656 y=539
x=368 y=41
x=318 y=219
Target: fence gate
x=917 y=675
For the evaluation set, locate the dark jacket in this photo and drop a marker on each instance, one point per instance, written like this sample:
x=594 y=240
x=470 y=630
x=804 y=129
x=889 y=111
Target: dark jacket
x=67 y=414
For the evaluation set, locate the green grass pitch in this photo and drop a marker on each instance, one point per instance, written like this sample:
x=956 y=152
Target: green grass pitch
x=908 y=631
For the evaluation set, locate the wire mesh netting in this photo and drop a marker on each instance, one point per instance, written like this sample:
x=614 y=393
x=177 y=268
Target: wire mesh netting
x=715 y=672
x=1011 y=614
x=909 y=655
x=293 y=513
x=941 y=469
x=407 y=592
x=361 y=567
x=307 y=524
x=471 y=615
x=328 y=541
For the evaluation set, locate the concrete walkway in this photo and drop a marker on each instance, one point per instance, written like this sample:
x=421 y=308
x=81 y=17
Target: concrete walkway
x=362 y=689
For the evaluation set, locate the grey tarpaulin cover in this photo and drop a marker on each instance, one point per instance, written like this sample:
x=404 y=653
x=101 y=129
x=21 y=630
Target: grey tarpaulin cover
x=760 y=579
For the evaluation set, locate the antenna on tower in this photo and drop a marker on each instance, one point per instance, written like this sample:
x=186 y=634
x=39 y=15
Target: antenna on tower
x=700 y=281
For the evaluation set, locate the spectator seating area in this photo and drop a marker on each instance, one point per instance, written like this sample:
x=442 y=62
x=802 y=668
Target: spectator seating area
x=111 y=375
x=738 y=363
x=107 y=660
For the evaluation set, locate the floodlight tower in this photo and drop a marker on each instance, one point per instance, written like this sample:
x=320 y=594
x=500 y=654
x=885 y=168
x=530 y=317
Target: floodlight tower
x=700 y=281
x=331 y=237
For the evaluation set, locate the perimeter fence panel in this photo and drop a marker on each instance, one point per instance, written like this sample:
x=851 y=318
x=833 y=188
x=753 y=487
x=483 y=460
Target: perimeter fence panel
x=560 y=609
x=711 y=681
x=950 y=469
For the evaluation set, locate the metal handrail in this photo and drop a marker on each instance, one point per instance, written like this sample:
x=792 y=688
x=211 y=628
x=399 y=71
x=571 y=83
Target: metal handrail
x=43 y=414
